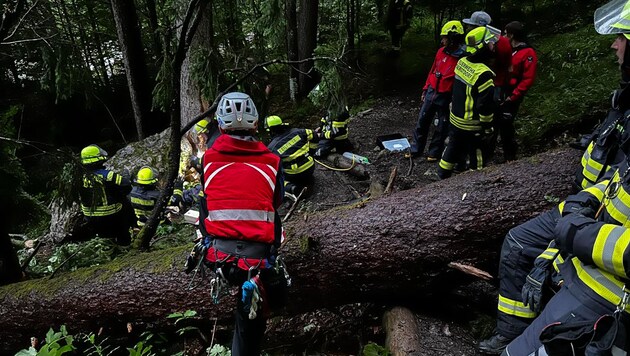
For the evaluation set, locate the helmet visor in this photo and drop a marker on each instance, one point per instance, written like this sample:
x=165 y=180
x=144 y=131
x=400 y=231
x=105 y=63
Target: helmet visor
x=613 y=18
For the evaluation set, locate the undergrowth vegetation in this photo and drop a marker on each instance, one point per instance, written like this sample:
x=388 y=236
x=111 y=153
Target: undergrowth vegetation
x=576 y=73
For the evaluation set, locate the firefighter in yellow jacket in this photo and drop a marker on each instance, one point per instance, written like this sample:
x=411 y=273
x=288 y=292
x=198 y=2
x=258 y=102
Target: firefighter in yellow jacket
x=472 y=104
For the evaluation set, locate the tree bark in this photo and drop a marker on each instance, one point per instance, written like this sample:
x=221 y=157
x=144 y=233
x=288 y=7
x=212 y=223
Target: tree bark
x=307 y=41
x=290 y=14
x=403 y=332
x=392 y=249
x=192 y=101
x=136 y=70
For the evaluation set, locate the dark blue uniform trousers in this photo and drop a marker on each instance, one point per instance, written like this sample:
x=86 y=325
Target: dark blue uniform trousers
x=521 y=246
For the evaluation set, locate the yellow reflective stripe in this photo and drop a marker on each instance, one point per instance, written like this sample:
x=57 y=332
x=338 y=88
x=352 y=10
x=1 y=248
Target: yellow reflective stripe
x=610 y=245
x=561 y=207
x=309 y=134
x=618 y=207
x=597 y=190
x=447 y=165
x=514 y=307
x=295 y=169
x=300 y=152
x=558 y=261
x=549 y=253
x=601 y=282
x=101 y=210
x=479 y=159
x=486 y=85
x=339 y=124
x=591 y=168
x=468 y=114
x=467 y=125
x=486 y=118
x=289 y=144
x=141 y=201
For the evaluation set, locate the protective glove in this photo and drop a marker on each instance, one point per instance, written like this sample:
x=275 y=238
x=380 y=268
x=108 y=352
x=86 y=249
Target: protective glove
x=538 y=277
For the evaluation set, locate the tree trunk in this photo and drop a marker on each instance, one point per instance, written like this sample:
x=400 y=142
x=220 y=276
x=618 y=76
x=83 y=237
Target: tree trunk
x=290 y=14
x=136 y=71
x=402 y=331
x=192 y=101
x=392 y=249
x=154 y=26
x=307 y=41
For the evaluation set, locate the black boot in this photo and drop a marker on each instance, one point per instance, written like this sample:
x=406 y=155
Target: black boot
x=494 y=345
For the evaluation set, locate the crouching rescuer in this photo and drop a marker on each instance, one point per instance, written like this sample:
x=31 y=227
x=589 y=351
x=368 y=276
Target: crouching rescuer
x=243 y=186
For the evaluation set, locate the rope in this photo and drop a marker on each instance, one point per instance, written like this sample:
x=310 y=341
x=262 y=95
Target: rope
x=337 y=169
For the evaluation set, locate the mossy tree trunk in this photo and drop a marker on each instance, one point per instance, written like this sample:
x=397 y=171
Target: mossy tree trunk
x=386 y=250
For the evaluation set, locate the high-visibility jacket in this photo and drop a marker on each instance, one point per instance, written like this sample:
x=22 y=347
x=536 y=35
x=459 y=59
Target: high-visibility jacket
x=473 y=105
x=601 y=256
x=335 y=129
x=103 y=192
x=240 y=180
x=442 y=73
x=603 y=153
x=143 y=199
x=293 y=148
x=522 y=71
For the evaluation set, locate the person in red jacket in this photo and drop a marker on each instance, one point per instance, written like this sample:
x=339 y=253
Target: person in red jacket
x=522 y=74
x=243 y=186
x=436 y=93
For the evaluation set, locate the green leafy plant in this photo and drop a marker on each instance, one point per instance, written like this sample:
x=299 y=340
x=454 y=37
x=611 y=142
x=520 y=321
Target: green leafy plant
x=181 y=318
x=218 y=350
x=57 y=343
x=372 y=349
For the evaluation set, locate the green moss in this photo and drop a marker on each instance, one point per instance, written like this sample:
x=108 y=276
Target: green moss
x=150 y=262
x=576 y=73
x=304 y=243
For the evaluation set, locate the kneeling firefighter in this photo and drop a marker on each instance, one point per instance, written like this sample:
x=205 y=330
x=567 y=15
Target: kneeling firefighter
x=292 y=145
x=243 y=187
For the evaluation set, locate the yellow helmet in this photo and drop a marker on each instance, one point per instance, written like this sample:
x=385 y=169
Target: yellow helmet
x=478 y=37
x=92 y=154
x=146 y=176
x=452 y=26
x=613 y=18
x=201 y=126
x=273 y=121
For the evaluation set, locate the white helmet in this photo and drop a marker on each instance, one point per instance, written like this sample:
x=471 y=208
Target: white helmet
x=236 y=111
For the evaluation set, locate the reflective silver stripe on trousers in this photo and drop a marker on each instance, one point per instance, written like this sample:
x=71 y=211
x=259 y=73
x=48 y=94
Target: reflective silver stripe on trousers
x=235 y=214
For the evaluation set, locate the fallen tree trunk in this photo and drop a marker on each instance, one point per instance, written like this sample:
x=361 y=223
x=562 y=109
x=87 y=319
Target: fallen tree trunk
x=393 y=248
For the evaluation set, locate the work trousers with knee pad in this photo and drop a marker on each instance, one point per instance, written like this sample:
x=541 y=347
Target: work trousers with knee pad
x=520 y=248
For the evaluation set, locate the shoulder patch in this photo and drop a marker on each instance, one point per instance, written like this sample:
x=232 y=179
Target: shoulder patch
x=530 y=59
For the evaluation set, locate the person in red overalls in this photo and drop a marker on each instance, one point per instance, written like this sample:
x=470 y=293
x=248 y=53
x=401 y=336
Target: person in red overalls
x=522 y=74
x=243 y=186
x=437 y=92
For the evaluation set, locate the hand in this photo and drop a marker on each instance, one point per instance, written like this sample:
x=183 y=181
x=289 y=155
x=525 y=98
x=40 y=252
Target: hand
x=538 y=277
x=532 y=291
x=423 y=96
